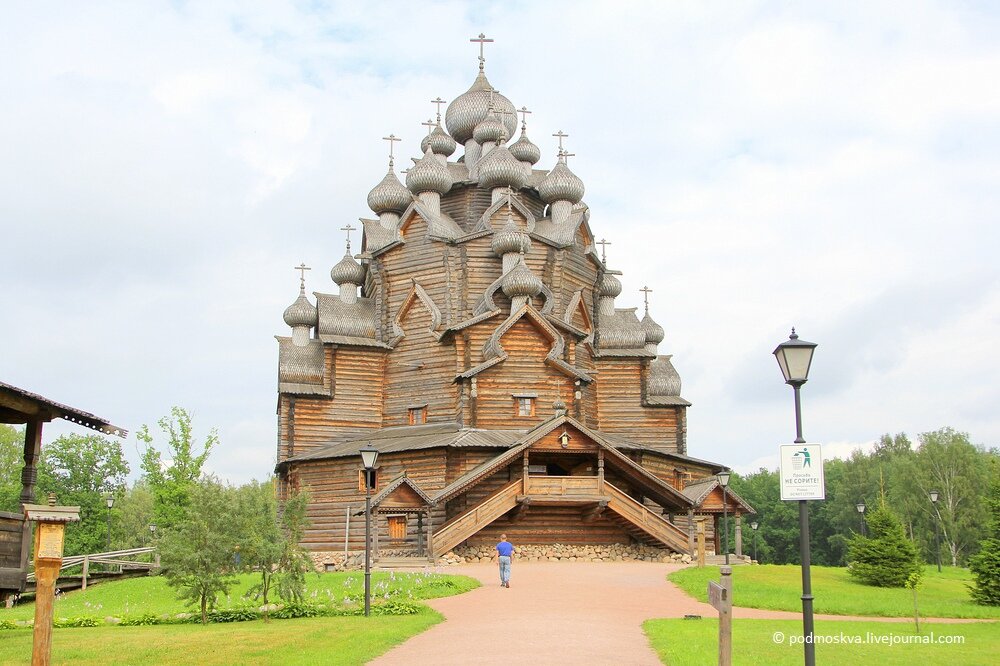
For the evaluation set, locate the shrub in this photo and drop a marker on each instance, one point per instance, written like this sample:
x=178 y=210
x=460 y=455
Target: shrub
x=295 y=609
x=85 y=621
x=236 y=614
x=144 y=620
x=886 y=558
x=8 y=624
x=985 y=565
x=396 y=607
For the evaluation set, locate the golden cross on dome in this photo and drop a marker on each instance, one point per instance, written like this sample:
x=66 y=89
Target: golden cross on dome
x=524 y=117
x=348 y=229
x=392 y=139
x=603 y=243
x=438 y=102
x=482 y=42
x=430 y=125
x=560 y=136
x=646 y=291
x=302 y=268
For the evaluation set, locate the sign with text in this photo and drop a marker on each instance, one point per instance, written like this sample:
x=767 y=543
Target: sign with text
x=802 y=472
x=717 y=596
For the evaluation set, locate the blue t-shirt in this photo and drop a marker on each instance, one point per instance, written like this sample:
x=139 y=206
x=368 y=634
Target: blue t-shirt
x=505 y=548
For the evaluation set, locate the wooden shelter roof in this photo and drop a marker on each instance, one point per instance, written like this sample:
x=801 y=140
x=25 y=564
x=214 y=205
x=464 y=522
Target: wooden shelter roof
x=394 y=485
x=20 y=406
x=700 y=489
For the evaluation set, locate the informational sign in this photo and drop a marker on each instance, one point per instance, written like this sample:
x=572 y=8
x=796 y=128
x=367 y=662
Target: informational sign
x=50 y=541
x=802 y=472
x=716 y=596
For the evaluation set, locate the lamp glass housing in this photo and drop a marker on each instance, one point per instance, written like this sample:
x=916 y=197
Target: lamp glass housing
x=754 y=525
x=110 y=500
x=794 y=358
x=861 y=507
x=369 y=455
x=723 y=478
x=934 y=496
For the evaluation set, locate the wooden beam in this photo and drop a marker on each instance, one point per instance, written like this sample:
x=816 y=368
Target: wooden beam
x=521 y=511
x=592 y=514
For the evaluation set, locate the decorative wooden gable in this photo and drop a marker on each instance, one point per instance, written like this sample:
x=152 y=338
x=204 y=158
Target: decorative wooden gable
x=567 y=438
x=401 y=495
x=416 y=297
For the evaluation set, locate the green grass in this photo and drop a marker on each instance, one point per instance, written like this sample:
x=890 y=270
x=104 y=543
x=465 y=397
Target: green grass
x=779 y=587
x=694 y=643
x=137 y=596
x=333 y=640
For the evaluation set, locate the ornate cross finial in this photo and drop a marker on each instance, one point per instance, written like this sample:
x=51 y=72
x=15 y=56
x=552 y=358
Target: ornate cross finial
x=646 y=291
x=348 y=229
x=565 y=155
x=560 y=136
x=524 y=117
x=430 y=125
x=482 y=42
x=604 y=248
x=302 y=268
x=438 y=102
x=392 y=139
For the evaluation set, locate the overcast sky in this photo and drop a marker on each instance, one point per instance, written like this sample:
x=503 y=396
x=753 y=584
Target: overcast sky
x=835 y=167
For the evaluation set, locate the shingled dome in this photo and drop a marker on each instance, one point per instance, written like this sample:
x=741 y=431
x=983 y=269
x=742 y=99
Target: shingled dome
x=490 y=129
x=501 y=169
x=609 y=286
x=439 y=142
x=525 y=151
x=520 y=281
x=389 y=196
x=471 y=108
x=347 y=271
x=561 y=184
x=510 y=239
x=654 y=332
x=428 y=175
x=301 y=312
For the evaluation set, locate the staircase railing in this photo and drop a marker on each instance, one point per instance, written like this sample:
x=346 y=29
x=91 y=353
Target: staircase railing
x=467 y=523
x=651 y=523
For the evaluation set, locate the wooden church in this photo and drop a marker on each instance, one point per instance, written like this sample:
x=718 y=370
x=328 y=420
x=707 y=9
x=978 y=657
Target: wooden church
x=475 y=342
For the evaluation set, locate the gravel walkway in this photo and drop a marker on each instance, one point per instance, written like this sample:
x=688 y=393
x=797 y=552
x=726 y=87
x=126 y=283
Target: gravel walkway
x=577 y=613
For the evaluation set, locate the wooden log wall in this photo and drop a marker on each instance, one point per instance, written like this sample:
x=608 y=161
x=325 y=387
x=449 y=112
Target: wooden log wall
x=673 y=472
x=551 y=524
x=620 y=409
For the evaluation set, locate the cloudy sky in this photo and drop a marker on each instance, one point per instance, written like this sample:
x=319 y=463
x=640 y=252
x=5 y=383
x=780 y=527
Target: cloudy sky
x=835 y=167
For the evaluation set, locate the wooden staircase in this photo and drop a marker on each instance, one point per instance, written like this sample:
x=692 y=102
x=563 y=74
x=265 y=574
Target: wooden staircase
x=643 y=524
x=467 y=523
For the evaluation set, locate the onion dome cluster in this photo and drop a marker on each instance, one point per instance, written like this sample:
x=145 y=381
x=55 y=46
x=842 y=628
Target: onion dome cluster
x=608 y=286
x=389 y=196
x=471 y=108
x=348 y=271
x=524 y=150
x=654 y=332
x=301 y=312
x=561 y=184
x=501 y=169
x=439 y=142
x=491 y=129
x=428 y=175
x=510 y=239
x=520 y=281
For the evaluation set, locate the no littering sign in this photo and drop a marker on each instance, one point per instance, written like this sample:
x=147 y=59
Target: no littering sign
x=802 y=472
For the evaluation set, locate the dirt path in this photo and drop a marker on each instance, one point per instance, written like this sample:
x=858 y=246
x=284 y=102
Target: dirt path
x=578 y=613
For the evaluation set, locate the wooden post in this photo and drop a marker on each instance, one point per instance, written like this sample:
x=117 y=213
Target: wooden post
x=347 y=531
x=600 y=471
x=420 y=533
x=524 y=479
x=701 y=540
x=720 y=595
x=86 y=571
x=690 y=532
x=739 y=535
x=716 y=535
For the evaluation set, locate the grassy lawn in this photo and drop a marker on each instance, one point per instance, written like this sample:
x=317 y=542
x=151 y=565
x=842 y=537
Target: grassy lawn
x=332 y=640
x=137 y=596
x=694 y=643
x=779 y=587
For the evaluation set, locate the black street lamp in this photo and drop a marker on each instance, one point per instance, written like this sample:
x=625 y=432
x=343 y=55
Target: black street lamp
x=110 y=500
x=754 y=525
x=724 y=482
x=369 y=455
x=937 y=526
x=794 y=358
x=861 y=510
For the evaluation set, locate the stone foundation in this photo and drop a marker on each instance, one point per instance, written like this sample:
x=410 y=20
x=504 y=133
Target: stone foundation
x=566 y=553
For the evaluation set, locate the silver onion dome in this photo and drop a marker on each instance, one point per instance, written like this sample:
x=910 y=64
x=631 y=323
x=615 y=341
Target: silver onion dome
x=491 y=129
x=561 y=184
x=608 y=286
x=663 y=378
x=389 y=196
x=471 y=107
x=439 y=141
x=301 y=312
x=348 y=270
x=428 y=175
x=501 y=169
x=524 y=150
x=654 y=332
x=510 y=239
x=520 y=281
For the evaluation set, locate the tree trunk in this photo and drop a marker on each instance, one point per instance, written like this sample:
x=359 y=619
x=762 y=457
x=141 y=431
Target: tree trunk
x=204 y=614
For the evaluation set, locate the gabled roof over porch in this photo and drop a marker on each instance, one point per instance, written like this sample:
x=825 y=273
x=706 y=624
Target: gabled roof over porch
x=401 y=494
x=707 y=497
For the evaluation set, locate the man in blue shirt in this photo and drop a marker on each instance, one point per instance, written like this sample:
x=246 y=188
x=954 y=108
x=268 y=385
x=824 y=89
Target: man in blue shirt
x=506 y=550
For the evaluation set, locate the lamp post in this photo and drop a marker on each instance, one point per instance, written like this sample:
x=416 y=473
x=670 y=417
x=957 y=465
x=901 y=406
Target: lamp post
x=937 y=526
x=754 y=525
x=794 y=358
x=369 y=455
x=110 y=499
x=724 y=482
x=152 y=532
x=861 y=510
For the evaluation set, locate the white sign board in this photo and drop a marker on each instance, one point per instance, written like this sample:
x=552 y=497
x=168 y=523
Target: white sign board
x=802 y=472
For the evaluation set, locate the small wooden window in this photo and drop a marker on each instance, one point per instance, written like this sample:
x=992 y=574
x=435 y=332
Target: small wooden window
x=418 y=415
x=397 y=528
x=361 y=480
x=524 y=406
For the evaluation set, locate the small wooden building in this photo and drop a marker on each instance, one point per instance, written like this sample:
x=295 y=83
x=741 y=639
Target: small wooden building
x=475 y=341
x=18 y=406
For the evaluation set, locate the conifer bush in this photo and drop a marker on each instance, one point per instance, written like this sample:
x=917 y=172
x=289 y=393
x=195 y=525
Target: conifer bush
x=985 y=566
x=886 y=558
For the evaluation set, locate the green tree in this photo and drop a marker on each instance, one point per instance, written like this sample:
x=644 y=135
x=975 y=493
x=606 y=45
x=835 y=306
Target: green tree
x=11 y=462
x=985 y=565
x=197 y=553
x=82 y=470
x=171 y=479
x=269 y=544
x=133 y=516
x=886 y=558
